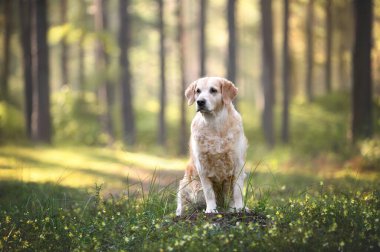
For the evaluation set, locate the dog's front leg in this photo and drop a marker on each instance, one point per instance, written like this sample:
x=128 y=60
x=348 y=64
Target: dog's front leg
x=180 y=197
x=237 y=201
x=209 y=194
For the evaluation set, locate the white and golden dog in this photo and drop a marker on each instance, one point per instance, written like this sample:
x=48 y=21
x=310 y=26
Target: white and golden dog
x=215 y=174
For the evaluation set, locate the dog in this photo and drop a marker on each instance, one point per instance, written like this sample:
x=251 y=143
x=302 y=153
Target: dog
x=214 y=176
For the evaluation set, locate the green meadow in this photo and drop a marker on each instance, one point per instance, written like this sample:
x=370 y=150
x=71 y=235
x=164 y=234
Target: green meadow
x=318 y=193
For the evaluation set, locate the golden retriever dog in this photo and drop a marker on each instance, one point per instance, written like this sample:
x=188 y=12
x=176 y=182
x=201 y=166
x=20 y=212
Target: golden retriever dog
x=215 y=174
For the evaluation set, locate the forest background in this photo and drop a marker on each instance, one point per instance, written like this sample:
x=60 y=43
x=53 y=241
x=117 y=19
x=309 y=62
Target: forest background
x=92 y=92
x=122 y=72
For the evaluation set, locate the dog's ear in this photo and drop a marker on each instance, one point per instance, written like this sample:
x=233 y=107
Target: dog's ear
x=229 y=91
x=190 y=93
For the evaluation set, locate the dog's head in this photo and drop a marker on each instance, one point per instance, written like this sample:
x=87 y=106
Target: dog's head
x=211 y=93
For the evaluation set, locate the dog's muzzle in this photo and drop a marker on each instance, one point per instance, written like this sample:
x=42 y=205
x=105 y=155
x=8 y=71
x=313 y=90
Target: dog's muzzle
x=201 y=106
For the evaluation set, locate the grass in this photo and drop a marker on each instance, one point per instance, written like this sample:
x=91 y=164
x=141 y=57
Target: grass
x=317 y=193
x=304 y=214
x=49 y=200
x=82 y=167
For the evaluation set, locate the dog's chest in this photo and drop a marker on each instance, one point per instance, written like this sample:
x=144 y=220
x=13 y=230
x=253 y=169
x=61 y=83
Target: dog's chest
x=217 y=154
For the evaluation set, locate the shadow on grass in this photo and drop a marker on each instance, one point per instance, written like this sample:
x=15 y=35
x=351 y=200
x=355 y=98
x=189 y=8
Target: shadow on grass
x=134 y=176
x=273 y=187
x=281 y=187
x=28 y=195
x=276 y=185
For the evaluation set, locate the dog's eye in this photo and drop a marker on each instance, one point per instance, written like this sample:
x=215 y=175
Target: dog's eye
x=198 y=91
x=213 y=90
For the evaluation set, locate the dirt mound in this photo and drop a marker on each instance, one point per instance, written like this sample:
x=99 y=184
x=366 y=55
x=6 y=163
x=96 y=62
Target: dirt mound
x=225 y=219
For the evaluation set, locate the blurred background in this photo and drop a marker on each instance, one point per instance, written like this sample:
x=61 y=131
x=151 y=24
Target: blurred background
x=112 y=73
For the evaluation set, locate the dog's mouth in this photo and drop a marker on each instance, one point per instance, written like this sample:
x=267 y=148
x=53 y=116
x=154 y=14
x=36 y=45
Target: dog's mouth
x=203 y=110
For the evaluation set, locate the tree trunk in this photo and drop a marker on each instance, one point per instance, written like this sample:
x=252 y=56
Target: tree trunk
x=102 y=62
x=267 y=71
x=310 y=50
x=231 y=60
x=64 y=73
x=25 y=39
x=343 y=67
x=128 y=116
x=328 y=45
x=362 y=80
x=344 y=30
x=285 y=76
x=81 y=70
x=6 y=49
x=161 y=118
x=202 y=37
x=183 y=133
x=41 y=121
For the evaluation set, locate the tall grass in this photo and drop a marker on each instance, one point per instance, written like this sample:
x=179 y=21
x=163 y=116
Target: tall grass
x=325 y=216
x=305 y=211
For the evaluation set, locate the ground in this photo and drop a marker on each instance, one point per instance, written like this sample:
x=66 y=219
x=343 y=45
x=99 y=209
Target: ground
x=85 y=198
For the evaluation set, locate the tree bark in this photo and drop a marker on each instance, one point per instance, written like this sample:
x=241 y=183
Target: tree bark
x=64 y=72
x=183 y=132
x=232 y=37
x=6 y=50
x=128 y=116
x=285 y=76
x=81 y=67
x=41 y=120
x=267 y=71
x=344 y=82
x=310 y=50
x=102 y=62
x=162 y=114
x=81 y=73
x=362 y=70
x=328 y=45
x=25 y=39
x=343 y=15
x=202 y=37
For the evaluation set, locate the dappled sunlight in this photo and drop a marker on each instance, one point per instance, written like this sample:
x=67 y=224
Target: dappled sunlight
x=153 y=162
x=152 y=106
x=95 y=125
x=319 y=169
x=84 y=167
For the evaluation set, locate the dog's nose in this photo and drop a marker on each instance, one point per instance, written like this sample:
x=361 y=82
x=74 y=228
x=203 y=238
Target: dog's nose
x=201 y=103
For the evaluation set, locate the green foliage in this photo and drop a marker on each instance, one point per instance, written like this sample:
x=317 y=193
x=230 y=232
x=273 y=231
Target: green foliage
x=324 y=218
x=11 y=123
x=321 y=127
x=370 y=152
x=302 y=212
x=76 y=118
x=317 y=129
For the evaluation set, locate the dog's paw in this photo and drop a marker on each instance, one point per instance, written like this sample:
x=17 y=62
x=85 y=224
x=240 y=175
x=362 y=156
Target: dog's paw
x=178 y=212
x=238 y=209
x=209 y=210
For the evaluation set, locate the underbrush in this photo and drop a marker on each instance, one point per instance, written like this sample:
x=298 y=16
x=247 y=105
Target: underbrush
x=370 y=153
x=322 y=217
x=320 y=128
x=11 y=123
x=300 y=211
x=76 y=118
